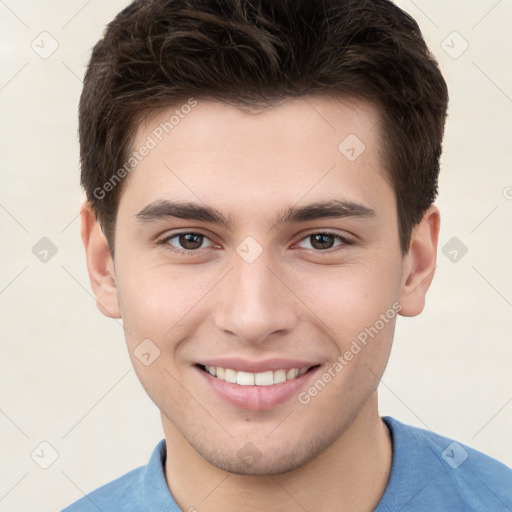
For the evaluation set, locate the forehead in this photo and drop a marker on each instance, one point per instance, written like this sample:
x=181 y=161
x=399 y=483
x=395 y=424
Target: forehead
x=310 y=148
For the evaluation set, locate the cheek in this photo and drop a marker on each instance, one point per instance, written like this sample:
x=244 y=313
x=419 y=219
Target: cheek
x=155 y=305
x=358 y=310
x=351 y=300
x=156 y=300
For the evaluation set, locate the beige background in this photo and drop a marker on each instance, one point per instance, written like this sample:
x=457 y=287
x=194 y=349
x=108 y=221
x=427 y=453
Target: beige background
x=66 y=378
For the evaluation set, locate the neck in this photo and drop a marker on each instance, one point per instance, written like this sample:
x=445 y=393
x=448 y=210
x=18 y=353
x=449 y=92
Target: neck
x=351 y=474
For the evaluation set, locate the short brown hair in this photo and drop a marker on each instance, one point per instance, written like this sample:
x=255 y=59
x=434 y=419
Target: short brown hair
x=158 y=53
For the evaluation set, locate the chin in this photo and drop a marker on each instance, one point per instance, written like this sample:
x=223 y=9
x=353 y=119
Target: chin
x=251 y=460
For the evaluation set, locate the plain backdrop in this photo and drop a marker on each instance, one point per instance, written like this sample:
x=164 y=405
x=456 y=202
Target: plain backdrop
x=66 y=380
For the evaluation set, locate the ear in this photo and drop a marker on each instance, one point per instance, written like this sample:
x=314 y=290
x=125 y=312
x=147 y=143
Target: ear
x=419 y=263
x=100 y=264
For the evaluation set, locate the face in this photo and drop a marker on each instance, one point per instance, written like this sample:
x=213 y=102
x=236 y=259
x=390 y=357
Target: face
x=250 y=246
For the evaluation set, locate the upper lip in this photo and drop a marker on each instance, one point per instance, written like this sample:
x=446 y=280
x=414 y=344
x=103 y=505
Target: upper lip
x=246 y=365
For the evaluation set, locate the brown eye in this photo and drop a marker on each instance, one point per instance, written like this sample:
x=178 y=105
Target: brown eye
x=324 y=241
x=321 y=241
x=190 y=241
x=185 y=242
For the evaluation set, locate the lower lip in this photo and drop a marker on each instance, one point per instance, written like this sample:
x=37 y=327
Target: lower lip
x=256 y=398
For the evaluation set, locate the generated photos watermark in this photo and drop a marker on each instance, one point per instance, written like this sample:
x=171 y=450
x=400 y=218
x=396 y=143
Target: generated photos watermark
x=151 y=142
x=357 y=345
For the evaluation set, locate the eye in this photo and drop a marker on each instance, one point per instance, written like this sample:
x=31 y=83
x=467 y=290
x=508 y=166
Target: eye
x=186 y=242
x=323 y=241
x=193 y=243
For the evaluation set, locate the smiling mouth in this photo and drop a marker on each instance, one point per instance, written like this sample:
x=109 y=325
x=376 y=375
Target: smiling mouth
x=268 y=378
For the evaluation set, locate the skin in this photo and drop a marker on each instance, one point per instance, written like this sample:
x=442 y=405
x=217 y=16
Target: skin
x=333 y=453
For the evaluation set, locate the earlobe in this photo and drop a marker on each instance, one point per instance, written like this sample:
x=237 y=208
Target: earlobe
x=420 y=263
x=100 y=264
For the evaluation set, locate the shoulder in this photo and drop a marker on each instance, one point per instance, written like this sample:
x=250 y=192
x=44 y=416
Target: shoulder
x=126 y=493
x=123 y=490
x=431 y=470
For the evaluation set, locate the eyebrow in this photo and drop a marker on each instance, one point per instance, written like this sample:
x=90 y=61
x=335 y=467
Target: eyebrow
x=162 y=209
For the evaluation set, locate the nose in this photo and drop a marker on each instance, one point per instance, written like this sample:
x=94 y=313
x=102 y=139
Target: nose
x=254 y=302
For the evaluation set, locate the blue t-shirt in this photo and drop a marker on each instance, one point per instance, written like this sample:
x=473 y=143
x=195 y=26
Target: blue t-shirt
x=428 y=473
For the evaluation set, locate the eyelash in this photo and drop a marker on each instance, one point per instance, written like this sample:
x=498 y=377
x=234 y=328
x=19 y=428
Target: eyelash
x=344 y=242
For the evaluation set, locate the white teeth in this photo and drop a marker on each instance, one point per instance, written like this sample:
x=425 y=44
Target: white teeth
x=230 y=376
x=245 y=378
x=291 y=374
x=279 y=376
x=264 y=378
x=267 y=378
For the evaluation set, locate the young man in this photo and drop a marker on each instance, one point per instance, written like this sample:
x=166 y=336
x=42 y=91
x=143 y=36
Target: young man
x=260 y=179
